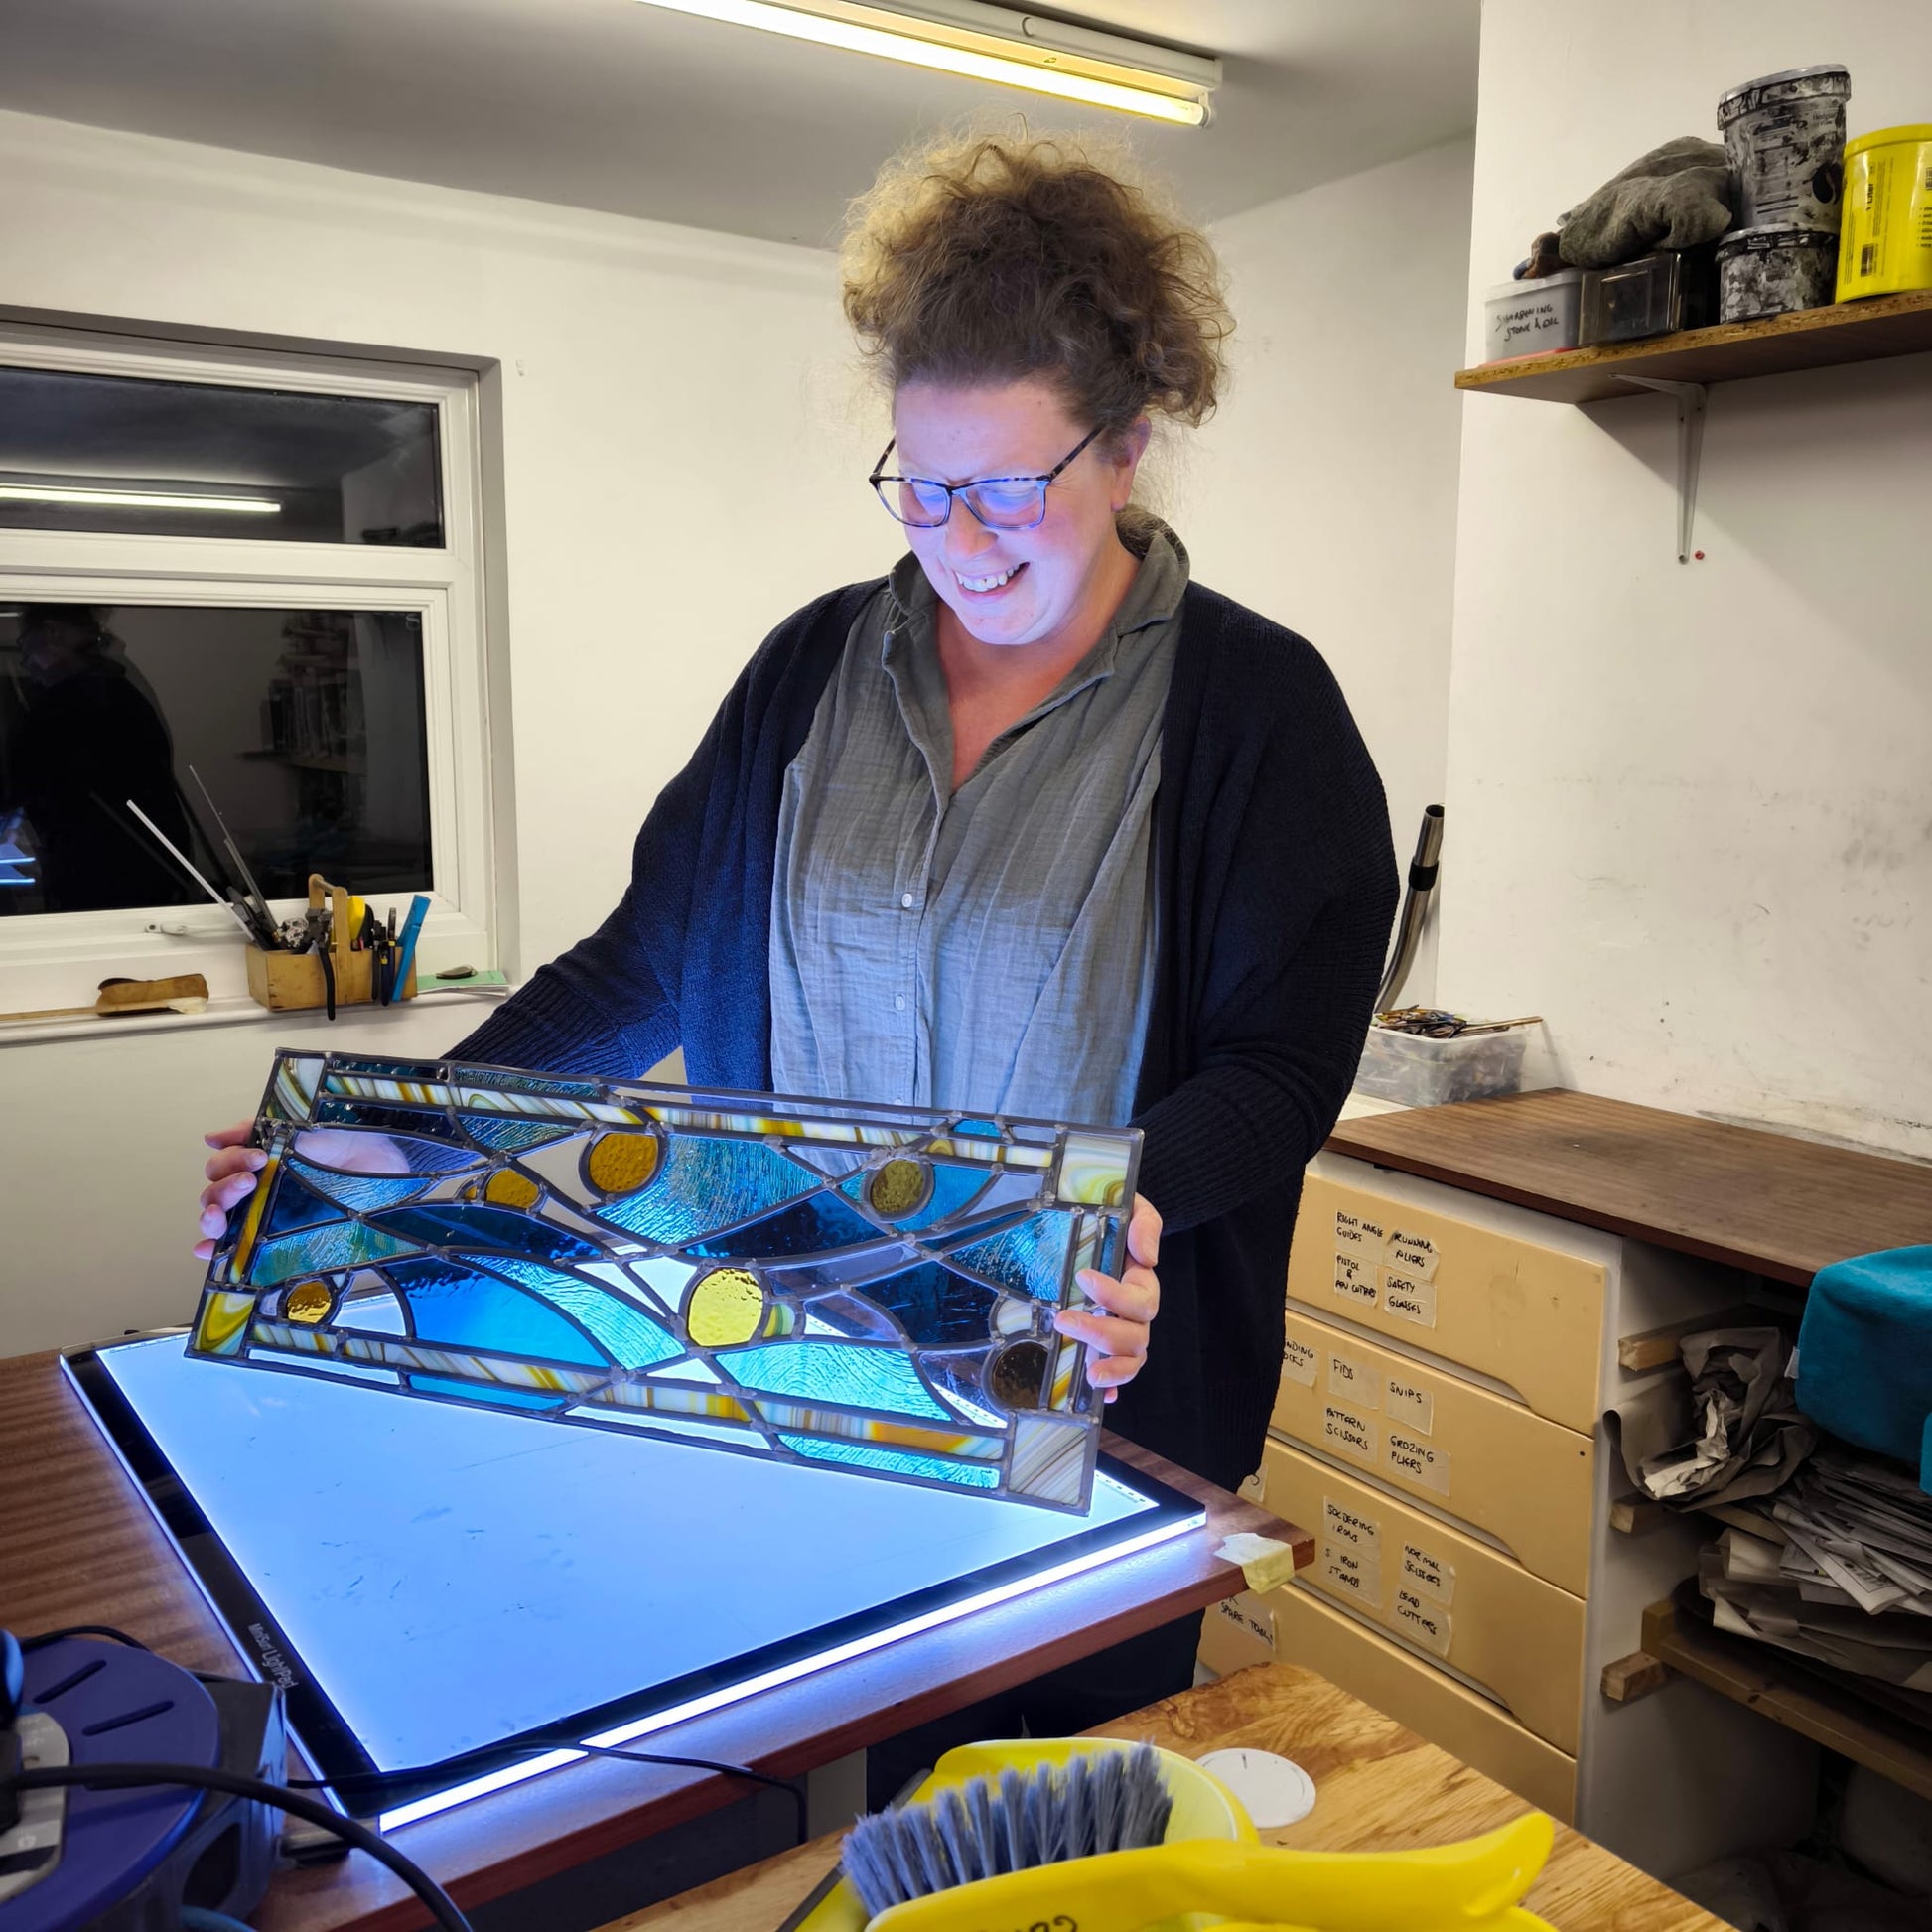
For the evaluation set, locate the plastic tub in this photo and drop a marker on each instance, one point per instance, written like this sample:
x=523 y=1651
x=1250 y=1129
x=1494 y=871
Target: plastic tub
x=1888 y=247
x=1784 y=135
x=1417 y=1071
x=1769 y=271
x=1532 y=317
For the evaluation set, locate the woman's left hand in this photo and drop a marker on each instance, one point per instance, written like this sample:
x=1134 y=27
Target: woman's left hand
x=1117 y=1339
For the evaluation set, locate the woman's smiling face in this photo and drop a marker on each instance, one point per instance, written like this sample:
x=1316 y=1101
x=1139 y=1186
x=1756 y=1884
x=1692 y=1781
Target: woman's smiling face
x=1017 y=587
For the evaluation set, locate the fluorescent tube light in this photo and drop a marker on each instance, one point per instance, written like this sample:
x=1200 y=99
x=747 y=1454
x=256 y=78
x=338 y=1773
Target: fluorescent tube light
x=987 y=43
x=146 y=500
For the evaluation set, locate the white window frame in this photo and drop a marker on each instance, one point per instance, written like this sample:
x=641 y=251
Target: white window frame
x=40 y=952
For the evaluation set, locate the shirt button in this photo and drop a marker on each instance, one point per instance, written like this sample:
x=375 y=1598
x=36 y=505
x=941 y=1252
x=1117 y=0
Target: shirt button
x=906 y=900
x=899 y=1002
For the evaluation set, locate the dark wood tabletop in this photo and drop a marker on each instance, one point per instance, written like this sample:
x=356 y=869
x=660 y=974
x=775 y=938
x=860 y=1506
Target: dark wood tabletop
x=1769 y=1203
x=77 y=1544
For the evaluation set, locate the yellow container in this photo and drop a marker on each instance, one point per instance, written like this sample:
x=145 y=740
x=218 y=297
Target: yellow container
x=1885 y=245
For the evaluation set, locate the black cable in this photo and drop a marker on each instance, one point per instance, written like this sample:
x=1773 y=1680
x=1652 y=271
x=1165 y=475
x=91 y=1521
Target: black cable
x=127 y=1777
x=107 y=1630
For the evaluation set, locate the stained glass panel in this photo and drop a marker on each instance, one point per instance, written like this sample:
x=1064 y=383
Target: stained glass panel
x=869 y=1288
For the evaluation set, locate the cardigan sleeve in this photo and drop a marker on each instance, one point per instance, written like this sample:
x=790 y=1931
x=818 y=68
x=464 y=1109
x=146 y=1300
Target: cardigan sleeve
x=1300 y=927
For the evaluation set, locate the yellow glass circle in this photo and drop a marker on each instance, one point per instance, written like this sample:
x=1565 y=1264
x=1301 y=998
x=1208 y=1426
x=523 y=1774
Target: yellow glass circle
x=308 y=1303
x=508 y=1189
x=726 y=1308
x=899 y=1188
x=620 y=1164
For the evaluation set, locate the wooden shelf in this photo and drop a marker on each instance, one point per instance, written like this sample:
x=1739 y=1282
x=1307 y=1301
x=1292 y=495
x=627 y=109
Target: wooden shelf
x=1781 y=1686
x=1806 y=339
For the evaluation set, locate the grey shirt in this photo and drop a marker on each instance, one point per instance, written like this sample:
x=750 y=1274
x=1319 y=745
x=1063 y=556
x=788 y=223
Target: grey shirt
x=989 y=949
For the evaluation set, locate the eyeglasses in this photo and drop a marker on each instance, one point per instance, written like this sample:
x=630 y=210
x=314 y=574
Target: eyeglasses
x=1000 y=502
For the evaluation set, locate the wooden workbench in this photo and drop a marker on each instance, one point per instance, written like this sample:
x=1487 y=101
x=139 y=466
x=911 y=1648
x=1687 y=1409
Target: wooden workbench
x=1378 y=1788
x=77 y=1544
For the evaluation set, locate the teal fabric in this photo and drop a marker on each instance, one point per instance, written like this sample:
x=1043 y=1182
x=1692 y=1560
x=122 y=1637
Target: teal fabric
x=1864 y=1353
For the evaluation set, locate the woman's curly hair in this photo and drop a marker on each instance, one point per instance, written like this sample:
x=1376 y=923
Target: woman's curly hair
x=987 y=260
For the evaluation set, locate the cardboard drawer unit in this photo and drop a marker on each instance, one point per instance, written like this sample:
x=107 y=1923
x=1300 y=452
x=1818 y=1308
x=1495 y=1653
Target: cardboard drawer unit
x=1439 y=1591
x=1528 y=1316
x=1459 y=1449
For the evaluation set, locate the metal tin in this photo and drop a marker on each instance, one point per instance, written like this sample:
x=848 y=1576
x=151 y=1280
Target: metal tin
x=1784 y=135
x=1767 y=271
x=1655 y=295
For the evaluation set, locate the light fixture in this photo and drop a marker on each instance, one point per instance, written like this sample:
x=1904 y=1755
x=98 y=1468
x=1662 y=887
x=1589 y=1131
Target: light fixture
x=985 y=42
x=146 y=500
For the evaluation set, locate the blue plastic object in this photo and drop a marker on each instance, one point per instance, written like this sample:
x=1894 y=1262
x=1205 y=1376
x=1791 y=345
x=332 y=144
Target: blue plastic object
x=1864 y=1354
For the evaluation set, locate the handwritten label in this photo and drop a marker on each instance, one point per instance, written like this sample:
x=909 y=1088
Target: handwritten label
x=1355 y=1278
x=1353 y=1379
x=1413 y=1254
x=1249 y=1621
x=1410 y=1403
x=1347 y=1572
x=1356 y=1235
x=1404 y=1295
x=1410 y=1457
x=1423 y=1622
x=1342 y=1525
x=1298 y=1362
x=1429 y=1573
x=1348 y=1431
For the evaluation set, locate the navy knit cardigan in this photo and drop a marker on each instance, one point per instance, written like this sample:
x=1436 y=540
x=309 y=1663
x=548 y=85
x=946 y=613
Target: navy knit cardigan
x=1275 y=890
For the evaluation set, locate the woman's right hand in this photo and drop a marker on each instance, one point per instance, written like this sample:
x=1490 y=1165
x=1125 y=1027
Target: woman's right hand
x=235 y=1161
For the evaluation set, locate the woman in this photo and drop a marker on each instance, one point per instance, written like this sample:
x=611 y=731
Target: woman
x=1033 y=826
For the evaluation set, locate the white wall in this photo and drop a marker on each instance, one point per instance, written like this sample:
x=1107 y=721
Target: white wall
x=1323 y=493
x=678 y=475
x=1690 y=806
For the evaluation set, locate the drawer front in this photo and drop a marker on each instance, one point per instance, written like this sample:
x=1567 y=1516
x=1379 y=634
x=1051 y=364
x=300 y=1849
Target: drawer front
x=1475 y=1455
x=1452 y=1716
x=1441 y=1591
x=1531 y=1316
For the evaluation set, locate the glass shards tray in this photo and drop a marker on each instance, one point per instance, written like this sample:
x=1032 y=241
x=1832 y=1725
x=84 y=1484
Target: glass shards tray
x=871 y=1288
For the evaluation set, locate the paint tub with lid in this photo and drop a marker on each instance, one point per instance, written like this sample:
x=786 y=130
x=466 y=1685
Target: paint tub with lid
x=1784 y=135
x=1887 y=246
x=1532 y=317
x=1768 y=271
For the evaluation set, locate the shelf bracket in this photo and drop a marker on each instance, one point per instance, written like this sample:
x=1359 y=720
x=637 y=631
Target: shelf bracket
x=1690 y=447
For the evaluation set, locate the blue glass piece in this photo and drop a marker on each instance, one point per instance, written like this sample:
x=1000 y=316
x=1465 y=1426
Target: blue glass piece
x=456 y=1304
x=821 y=1225
x=899 y=1463
x=485 y=1392
x=296 y=1206
x=1030 y=1258
x=622 y=1331
x=322 y=1251
x=467 y=1224
x=846 y=1372
x=512 y=1136
x=706 y=1185
x=361 y=1192
x=937 y=1308
x=387 y=1116
x=985 y=1130
x=419 y=1072
x=505 y=1080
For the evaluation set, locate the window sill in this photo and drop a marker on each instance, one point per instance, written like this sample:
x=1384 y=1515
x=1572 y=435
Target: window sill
x=240 y=1011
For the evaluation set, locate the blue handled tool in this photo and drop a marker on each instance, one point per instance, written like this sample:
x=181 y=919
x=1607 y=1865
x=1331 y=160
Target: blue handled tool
x=406 y=945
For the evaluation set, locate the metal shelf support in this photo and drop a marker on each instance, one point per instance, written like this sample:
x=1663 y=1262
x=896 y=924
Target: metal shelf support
x=1690 y=447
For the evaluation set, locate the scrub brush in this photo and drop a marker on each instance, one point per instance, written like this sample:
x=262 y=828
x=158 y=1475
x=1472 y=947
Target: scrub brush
x=1100 y=1801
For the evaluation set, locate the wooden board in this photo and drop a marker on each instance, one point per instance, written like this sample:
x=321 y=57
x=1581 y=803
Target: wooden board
x=1378 y=1787
x=82 y=1547
x=1780 y=1686
x=1764 y=1203
x=1807 y=339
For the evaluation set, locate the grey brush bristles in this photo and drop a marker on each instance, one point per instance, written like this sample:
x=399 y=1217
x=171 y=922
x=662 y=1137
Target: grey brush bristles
x=1103 y=1801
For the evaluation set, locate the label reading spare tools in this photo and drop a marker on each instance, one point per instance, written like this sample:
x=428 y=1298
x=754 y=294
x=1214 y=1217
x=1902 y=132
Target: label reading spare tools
x=1348 y=1431
x=1353 y=1379
x=1430 y=1575
x=1410 y=1457
x=1342 y=1525
x=1251 y=1622
x=1346 y=1571
x=1421 y=1621
x=1298 y=1362
x=1355 y=1278
x=1410 y=1403
x=1412 y=1299
x=1413 y=1255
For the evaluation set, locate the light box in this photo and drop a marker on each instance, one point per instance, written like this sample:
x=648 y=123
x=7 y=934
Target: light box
x=427 y=1578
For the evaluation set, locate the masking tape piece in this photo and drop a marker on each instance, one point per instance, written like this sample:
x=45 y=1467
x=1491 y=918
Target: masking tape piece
x=1264 y=1562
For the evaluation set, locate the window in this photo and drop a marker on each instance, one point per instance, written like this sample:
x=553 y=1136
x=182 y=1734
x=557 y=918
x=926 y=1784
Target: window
x=245 y=579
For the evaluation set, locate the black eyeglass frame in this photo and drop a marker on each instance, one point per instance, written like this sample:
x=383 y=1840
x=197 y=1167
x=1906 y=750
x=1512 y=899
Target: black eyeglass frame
x=879 y=479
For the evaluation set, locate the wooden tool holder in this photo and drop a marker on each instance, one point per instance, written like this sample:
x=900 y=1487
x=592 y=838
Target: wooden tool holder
x=288 y=981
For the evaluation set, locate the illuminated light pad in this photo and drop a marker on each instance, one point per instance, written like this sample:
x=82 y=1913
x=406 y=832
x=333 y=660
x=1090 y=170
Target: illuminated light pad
x=429 y=1578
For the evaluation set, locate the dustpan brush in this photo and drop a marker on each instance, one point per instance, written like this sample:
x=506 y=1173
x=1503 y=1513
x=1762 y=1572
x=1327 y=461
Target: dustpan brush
x=1103 y=1801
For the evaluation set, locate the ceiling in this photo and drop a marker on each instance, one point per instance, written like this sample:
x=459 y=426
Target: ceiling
x=628 y=109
